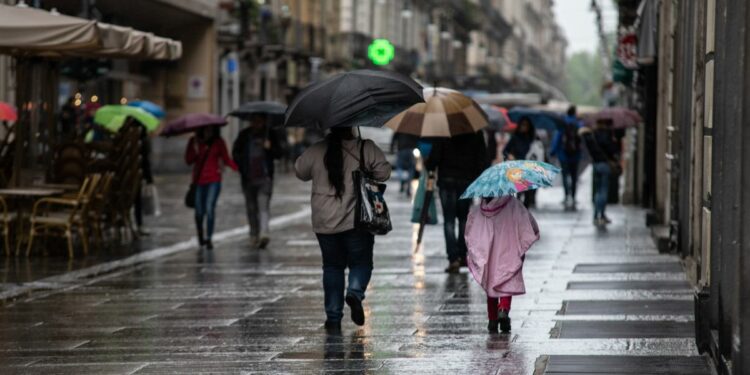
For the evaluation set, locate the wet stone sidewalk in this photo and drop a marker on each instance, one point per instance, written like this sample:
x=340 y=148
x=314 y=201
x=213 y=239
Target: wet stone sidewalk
x=49 y=267
x=602 y=302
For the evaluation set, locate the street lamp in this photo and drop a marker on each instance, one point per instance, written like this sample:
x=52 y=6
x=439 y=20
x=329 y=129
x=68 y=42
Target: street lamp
x=406 y=15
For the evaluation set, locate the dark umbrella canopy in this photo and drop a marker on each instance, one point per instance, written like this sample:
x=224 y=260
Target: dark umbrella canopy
x=258 y=108
x=192 y=122
x=356 y=98
x=549 y=121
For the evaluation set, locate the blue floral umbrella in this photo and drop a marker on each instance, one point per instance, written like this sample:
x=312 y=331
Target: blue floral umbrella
x=512 y=177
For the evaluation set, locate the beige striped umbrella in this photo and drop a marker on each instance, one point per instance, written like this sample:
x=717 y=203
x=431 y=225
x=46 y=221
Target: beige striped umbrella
x=446 y=113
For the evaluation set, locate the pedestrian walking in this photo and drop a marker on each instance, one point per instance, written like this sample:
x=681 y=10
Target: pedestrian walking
x=254 y=152
x=329 y=164
x=604 y=150
x=459 y=161
x=567 y=147
x=525 y=145
x=206 y=152
x=499 y=231
x=403 y=145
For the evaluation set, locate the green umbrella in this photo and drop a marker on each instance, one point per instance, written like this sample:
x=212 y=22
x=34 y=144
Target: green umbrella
x=112 y=117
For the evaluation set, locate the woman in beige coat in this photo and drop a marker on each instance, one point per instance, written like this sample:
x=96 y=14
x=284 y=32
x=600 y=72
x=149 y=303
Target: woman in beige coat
x=329 y=164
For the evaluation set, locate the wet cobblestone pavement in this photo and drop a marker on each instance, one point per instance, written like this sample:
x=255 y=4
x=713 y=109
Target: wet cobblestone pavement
x=21 y=275
x=598 y=302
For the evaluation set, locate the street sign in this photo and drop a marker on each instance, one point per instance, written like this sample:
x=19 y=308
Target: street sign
x=231 y=65
x=381 y=52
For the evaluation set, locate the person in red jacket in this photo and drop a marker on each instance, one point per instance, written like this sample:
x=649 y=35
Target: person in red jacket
x=207 y=153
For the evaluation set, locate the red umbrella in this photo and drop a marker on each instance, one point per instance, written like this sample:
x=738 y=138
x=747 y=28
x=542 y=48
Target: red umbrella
x=192 y=122
x=510 y=126
x=7 y=112
x=621 y=117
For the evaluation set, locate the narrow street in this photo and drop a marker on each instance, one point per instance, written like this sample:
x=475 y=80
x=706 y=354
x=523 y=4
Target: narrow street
x=598 y=302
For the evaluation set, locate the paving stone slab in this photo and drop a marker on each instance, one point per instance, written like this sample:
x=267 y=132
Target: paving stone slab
x=630 y=285
x=572 y=329
x=641 y=365
x=636 y=307
x=666 y=267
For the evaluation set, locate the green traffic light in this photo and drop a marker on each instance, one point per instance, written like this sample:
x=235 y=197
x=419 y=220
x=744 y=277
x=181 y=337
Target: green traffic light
x=381 y=52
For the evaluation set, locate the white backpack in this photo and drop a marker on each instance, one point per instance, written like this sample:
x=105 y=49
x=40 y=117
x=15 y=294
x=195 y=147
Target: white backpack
x=536 y=151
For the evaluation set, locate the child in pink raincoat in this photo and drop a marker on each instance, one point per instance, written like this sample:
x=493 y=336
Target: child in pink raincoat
x=499 y=231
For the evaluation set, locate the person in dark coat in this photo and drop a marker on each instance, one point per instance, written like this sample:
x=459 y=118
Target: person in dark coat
x=604 y=150
x=403 y=145
x=491 y=143
x=518 y=148
x=459 y=161
x=254 y=152
x=567 y=147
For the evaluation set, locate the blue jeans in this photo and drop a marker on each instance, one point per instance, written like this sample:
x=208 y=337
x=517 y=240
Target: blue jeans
x=454 y=209
x=352 y=249
x=205 y=206
x=601 y=188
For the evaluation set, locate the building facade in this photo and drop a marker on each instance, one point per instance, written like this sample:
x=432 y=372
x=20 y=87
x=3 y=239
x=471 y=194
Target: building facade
x=242 y=50
x=491 y=45
x=691 y=88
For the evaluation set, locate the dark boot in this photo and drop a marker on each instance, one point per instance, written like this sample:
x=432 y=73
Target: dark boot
x=504 y=321
x=201 y=239
x=358 y=313
x=333 y=328
x=492 y=326
x=454 y=267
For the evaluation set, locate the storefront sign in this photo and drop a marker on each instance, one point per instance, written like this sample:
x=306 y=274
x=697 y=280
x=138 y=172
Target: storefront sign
x=196 y=87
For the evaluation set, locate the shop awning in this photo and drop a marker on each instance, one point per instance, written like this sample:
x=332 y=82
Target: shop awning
x=36 y=32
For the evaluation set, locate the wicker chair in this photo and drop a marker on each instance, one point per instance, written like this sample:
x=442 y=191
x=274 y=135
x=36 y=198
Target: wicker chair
x=97 y=207
x=70 y=164
x=68 y=215
x=6 y=218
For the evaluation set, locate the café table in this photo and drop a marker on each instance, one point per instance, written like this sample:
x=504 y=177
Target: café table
x=66 y=187
x=25 y=198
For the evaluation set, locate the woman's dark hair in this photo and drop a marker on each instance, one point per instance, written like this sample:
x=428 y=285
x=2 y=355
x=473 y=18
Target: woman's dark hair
x=572 y=110
x=334 y=158
x=208 y=134
x=531 y=133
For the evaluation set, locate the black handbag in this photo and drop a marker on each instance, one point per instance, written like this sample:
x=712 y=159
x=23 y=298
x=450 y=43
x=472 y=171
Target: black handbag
x=190 y=196
x=371 y=212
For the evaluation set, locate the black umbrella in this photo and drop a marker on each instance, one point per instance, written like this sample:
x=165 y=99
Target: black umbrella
x=356 y=98
x=273 y=111
x=258 y=108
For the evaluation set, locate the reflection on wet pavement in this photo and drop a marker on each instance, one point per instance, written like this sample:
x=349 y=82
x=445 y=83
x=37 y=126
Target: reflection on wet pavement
x=593 y=297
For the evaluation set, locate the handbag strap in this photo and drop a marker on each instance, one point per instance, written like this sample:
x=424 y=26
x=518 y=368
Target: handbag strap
x=361 y=158
x=362 y=155
x=203 y=161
